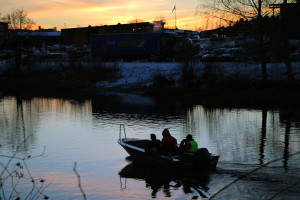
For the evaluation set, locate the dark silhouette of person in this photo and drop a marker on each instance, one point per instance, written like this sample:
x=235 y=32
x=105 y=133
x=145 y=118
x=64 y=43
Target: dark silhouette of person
x=154 y=145
x=188 y=146
x=168 y=143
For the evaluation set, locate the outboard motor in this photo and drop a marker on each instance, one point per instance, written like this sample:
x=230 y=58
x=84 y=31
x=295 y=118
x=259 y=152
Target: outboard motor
x=202 y=155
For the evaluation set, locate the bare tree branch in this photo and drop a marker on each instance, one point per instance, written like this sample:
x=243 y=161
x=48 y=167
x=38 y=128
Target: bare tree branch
x=79 y=182
x=246 y=9
x=18 y=19
x=13 y=172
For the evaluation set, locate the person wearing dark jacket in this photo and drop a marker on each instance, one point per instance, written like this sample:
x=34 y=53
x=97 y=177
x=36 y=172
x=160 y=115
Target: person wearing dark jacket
x=154 y=145
x=168 y=143
x=188 y=146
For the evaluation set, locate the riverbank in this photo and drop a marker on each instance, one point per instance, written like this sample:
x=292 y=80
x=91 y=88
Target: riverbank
x=225 y=97
x=230 y=84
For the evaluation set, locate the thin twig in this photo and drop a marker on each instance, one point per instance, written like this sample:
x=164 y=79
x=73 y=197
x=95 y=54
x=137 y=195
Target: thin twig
x=79 y=183
x=10 y=174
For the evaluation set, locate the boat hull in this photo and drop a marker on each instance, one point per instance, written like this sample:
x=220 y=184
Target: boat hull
x=165 y=162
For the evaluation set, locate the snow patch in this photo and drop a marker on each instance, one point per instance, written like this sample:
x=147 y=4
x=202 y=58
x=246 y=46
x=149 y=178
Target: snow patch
x=141 y=73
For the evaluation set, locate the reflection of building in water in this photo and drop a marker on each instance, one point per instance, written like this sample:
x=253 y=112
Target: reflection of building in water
x=20 y=118
x=132 y=103
x=137 y=110
x=254 y=135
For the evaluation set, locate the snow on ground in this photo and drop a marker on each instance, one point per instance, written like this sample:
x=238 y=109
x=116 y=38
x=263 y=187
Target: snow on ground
x=142 y=73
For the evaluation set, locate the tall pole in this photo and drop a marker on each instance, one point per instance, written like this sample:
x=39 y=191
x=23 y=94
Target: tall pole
x=175 y=18
x=285 y=38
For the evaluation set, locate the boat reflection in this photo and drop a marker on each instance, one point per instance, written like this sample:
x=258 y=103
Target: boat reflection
x=165 y=181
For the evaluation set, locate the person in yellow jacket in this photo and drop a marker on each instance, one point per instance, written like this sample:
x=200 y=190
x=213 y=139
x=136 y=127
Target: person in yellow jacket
x=188 y=146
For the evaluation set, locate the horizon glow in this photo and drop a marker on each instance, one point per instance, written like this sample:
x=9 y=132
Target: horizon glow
x=82 y=13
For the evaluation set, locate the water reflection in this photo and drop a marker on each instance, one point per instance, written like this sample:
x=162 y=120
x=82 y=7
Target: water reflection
x=289 y=119
x=165 y=181
x=136 y=105
x=21 y=117
x=85 y=130
x=17 y=123
x=250 y=136
x=263 y=135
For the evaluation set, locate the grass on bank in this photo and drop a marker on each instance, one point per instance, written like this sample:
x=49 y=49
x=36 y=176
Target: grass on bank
x=70 y=75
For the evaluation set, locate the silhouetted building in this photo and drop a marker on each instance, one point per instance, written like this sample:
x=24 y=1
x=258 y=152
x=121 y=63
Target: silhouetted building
x=40 y=38
x=289 y=18
x=54 y=29
x=81 y=36
x=290 y=14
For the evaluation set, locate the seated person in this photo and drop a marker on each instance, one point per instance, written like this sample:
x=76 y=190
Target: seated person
x=168 y=144
x=188 y=146
x=154 y=145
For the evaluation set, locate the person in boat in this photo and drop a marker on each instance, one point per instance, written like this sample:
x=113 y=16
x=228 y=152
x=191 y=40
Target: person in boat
x=168 y=143
x=154 y=145
x=188 y=146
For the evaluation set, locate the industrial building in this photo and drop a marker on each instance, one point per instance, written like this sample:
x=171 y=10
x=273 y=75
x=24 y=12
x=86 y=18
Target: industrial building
x=81 y=36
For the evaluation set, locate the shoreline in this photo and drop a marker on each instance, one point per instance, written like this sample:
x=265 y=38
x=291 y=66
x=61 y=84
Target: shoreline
x=223 y=97
x=160 y=81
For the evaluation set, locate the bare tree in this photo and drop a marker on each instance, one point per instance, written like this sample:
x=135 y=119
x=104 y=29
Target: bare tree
x=18 y=19
x=246 y=9
x=135 y=20
x=161 y=18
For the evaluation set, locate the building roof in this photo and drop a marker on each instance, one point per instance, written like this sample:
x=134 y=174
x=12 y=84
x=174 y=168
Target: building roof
x=41 y=34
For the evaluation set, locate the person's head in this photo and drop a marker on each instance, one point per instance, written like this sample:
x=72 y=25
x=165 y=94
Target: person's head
x=189 y=137
x=153 y=136
x=166 y=133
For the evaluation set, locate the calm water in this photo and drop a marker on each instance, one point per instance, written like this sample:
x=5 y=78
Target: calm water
x=258 y=148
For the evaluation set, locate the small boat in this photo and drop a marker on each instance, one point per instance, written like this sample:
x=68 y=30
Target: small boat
x=136 y=148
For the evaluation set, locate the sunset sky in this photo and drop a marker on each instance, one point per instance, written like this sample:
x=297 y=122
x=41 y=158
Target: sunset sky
x=81 y=13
